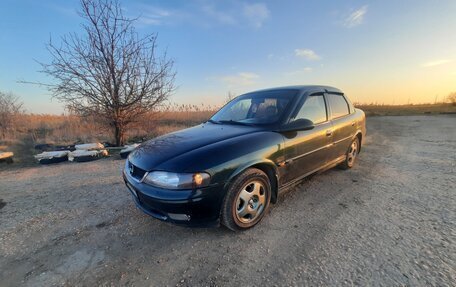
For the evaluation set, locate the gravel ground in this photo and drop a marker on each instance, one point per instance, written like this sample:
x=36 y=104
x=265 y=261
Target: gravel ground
x=389 y=221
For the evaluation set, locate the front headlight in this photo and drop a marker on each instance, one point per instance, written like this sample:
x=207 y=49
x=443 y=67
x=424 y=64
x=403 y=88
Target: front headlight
x=171 y=180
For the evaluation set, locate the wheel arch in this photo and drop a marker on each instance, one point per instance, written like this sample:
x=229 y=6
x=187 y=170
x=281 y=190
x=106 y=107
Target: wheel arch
x=268 y=167
x=359 y=135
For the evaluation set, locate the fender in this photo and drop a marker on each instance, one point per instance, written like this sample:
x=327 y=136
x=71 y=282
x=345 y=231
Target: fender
x=359 y=132
x=265 y=162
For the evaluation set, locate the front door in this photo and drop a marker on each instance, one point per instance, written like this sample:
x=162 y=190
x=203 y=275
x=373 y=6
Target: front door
x=307 y=151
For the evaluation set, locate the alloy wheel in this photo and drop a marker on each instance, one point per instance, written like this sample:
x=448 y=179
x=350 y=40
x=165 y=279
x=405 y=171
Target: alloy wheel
x=250 y=202
x=352 y=152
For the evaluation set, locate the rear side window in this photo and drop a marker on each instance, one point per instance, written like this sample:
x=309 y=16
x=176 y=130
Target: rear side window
x=338 y=104
x=313 y=109
x=350 y=105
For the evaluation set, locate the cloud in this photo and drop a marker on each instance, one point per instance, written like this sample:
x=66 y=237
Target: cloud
x=436 y=63
x=307 y=69
x=256 y=13
x=301 y=71
x=307 y=54
x=222 y=17
x=240 y=79
x=204 y=13
x=356 y=18
x=151 y=15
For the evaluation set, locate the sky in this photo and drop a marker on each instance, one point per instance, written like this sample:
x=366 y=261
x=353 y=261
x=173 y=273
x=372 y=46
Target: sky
x=391 y=52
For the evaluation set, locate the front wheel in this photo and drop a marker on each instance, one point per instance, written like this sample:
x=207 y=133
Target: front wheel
x=247 y=200
x=351 y=155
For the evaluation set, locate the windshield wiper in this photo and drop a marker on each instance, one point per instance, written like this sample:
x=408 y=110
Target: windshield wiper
x=235 y=123
x=214 y=122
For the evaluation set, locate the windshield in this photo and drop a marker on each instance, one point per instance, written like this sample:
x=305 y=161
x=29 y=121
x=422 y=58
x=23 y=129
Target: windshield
x=255 y=108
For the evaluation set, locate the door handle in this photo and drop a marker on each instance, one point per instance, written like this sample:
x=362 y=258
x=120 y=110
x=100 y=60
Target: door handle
x=329 y=133
x=353 y=124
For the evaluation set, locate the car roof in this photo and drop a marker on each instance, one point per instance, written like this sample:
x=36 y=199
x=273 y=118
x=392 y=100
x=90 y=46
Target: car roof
x=303 y=89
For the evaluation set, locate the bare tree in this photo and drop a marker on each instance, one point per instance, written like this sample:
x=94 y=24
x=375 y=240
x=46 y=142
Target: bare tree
x=10 y=107
x=109 y=71
x=452 y=98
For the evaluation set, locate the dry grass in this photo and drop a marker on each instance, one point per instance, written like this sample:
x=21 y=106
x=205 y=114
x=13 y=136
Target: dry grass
x=407 y=110
x=160 y=123
x=32 y=129
x=69 y=129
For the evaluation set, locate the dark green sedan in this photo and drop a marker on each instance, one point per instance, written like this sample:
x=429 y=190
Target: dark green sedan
x=231 y=168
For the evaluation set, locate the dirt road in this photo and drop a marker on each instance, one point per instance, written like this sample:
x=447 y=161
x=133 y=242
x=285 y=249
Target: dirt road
x=390 y=221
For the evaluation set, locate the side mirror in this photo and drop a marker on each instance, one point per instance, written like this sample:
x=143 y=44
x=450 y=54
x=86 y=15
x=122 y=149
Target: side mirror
x=298 y=125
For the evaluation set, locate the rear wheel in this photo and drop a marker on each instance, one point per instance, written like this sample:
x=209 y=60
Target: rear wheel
x=352 y=153
x=247 y=200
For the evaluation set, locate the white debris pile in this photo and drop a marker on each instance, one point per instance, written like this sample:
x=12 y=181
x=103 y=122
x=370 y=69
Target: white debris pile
x=52 y=154
x=83 y=152
x=89 y=146
x=86 y=155
x=49 y=157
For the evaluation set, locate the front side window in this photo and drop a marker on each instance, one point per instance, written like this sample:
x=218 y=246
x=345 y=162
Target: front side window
x=338 y=104
x=255 y=108
x=313 y=109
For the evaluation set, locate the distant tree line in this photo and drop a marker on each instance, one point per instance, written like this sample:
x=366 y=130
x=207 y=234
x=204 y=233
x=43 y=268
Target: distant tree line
x=452 y=98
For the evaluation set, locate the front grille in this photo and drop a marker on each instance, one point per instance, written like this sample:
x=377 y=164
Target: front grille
x=135 y=171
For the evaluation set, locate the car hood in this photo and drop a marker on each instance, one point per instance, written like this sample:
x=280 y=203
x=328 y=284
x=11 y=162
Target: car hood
x=159 y=150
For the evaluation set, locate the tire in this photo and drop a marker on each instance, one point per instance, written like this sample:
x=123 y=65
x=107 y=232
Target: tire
x=247 y=200
x=86 y=158
x=351 y=155
x=125 y=154
x=53 y=160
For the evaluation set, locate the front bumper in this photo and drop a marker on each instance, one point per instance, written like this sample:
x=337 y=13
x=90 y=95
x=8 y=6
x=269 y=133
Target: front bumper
x=199 y=207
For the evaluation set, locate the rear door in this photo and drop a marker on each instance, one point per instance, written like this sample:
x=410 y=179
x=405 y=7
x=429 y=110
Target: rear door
x=343 y=124
x=306 y=151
